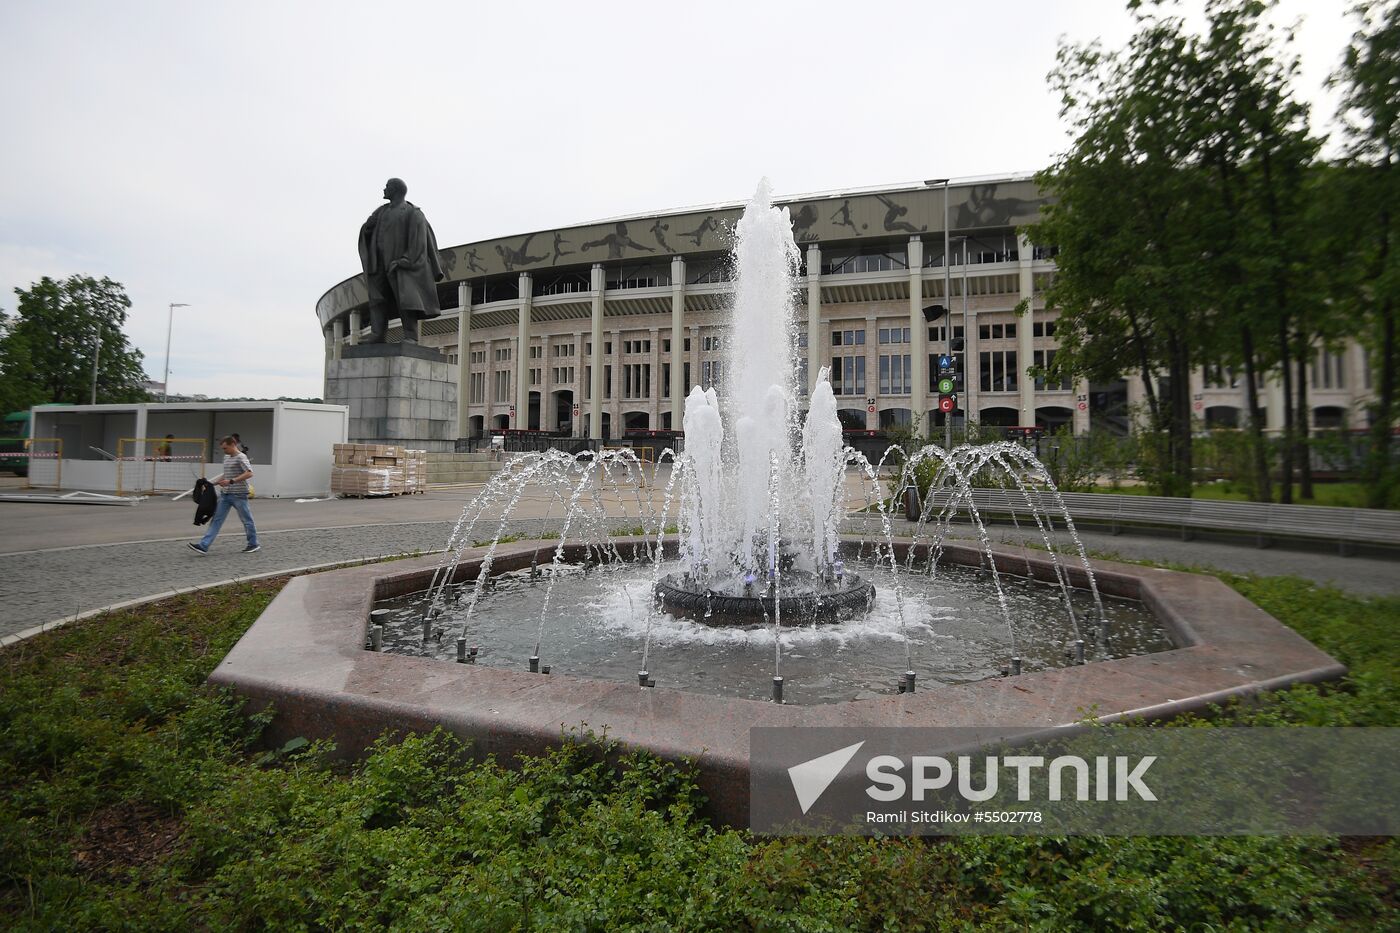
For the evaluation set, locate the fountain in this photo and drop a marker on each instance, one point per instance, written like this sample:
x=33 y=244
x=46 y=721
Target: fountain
x=677 y=605
x=757 y=496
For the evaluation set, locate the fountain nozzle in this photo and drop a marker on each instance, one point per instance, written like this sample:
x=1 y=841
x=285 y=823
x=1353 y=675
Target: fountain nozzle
x=461 y=651
x=534 y=664
x=777 y=690
x=1015 y=667
x=376 y=637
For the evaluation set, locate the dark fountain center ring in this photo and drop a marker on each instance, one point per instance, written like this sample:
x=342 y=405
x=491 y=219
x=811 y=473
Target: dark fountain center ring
x=802 y=598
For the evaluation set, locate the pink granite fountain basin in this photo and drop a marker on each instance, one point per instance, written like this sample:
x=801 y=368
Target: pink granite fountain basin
x=306 y=656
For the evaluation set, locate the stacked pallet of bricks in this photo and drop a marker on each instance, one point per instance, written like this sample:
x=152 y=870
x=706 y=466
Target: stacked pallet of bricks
x=415 y=471
x=368 y=470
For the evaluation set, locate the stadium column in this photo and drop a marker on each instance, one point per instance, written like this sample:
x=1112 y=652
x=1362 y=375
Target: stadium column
x=329 y=334
x=522 y=348
x=918 y=332
x=339 y=338
x=1024 y=344
x=464 y=352
x=872 y=371
x=355 y=328
x=1081 y=415
x=814 y=315
x=595 y=359
x=677 y=355
x=1273 y=402
x=653 y=386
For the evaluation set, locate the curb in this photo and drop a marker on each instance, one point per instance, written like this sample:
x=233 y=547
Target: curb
x=8 y=640
x=261 y=533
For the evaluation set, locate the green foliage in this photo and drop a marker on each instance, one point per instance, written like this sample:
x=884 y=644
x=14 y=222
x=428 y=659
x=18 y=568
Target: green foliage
x=133 y=797
x=1362 y=227
x=46 y=348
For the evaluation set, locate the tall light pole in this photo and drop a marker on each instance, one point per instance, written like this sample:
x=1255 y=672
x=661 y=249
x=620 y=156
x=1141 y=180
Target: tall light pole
x=948 y=299
x=965 y=374
x=96 y=355
x=170 y=327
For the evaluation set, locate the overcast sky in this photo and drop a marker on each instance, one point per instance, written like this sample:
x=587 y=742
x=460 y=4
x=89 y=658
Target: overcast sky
x=224 y=155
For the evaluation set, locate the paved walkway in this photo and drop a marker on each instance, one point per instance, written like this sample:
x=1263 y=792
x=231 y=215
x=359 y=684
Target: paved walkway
x=60 y=560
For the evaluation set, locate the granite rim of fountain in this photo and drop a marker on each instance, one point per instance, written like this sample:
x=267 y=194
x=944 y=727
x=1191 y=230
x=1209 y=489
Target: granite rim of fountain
x=306 y=656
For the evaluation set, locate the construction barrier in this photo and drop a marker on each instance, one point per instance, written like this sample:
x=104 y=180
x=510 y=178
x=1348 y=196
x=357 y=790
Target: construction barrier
x=149 y=465
x=45 y=462
x=618 y=473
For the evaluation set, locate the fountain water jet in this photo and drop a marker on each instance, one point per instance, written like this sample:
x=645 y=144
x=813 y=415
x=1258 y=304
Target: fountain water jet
x=731 y=517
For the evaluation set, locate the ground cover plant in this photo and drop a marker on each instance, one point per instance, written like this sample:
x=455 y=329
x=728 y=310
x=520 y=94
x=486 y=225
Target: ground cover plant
x=133 y=797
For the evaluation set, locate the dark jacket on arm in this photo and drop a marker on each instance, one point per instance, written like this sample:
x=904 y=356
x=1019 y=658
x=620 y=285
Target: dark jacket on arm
x=206 y=500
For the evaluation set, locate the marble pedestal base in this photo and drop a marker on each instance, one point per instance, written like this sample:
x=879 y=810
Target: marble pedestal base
x=407 y=398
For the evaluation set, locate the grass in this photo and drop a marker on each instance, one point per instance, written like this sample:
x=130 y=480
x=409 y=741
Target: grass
x=133 y=797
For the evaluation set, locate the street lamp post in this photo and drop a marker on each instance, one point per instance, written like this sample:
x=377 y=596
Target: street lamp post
x=96 y=355
x=169 y=328
x=948 y=299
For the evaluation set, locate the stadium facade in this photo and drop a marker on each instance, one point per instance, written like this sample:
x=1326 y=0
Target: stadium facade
x=602 y=328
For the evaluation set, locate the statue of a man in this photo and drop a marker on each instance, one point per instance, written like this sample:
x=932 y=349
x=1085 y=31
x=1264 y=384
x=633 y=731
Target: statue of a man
x=399 y=255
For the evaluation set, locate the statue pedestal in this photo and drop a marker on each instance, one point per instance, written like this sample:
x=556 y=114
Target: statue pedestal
x=401 y=394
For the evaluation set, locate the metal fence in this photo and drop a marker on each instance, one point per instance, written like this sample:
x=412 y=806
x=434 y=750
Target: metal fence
x=44 y=456
x=148 y=465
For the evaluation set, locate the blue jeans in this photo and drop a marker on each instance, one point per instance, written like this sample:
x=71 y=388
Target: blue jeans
x=231 y=500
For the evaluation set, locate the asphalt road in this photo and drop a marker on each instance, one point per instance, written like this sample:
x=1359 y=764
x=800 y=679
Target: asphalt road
x=60 y=560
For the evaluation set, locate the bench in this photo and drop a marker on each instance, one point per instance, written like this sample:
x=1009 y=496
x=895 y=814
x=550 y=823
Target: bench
x=1261 y=520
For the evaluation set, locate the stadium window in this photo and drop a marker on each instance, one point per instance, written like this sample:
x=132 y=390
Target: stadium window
x=997 y=370
x=848 y=375
x=1046 y=358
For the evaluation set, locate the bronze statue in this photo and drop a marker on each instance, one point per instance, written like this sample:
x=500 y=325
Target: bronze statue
x=399 y=255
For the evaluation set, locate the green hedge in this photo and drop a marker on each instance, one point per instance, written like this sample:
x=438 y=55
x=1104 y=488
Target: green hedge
x=134 y=798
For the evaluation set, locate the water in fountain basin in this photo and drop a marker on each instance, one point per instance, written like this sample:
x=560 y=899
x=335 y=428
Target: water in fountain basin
x=952 y=626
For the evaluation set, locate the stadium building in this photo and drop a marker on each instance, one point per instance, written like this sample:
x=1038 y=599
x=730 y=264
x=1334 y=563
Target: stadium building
x=600 y=329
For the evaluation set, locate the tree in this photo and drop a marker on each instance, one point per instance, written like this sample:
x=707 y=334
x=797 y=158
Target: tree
x=1179 y=218
x=1126 y=201
x=1369 y=286
x=47 y=346
x=1260 y=155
